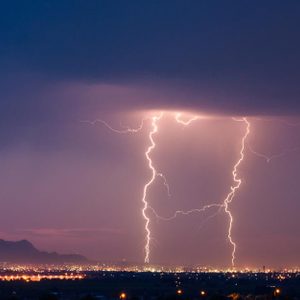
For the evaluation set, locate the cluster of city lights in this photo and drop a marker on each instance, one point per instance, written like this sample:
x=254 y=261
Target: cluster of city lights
x=202 y=293
x=38 y=277
x=77 y=270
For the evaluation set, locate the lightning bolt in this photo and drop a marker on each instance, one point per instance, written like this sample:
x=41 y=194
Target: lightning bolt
x=185 y=213
x=211 y=216
x=154 y=174
x=163 y=177
x=268 y=158
x=185 y=122
x=233 y=189
x=120 y=131
x=285 y=152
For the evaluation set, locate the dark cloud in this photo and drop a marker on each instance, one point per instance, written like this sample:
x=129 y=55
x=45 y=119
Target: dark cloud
x=224 y=56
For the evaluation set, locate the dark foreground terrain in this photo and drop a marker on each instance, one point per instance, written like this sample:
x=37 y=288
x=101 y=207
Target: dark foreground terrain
x=131 y=285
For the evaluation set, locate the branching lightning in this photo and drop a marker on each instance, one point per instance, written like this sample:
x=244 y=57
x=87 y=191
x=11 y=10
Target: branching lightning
x=268 y=158
x=237 y=182
x=211 y=216
x=185 y=122
x=187 y=212
x=120 y=131
x=163 y=177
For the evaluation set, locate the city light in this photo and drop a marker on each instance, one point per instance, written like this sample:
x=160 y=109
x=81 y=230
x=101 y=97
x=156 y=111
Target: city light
x=277 y=292
x=179 y=292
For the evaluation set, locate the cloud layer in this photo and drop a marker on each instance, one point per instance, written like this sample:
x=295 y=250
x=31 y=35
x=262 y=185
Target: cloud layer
x=226 y=57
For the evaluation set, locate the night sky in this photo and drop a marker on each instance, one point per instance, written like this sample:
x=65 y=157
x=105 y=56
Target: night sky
x=73 y=187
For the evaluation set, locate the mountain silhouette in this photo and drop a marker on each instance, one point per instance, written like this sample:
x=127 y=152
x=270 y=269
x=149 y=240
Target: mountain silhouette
x=24 y=252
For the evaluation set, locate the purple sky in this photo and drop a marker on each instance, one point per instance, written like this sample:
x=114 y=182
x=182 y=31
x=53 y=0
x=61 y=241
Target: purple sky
x=79 y=188
x=70 y=186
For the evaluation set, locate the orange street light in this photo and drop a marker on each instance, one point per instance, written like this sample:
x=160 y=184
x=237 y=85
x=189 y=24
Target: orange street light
x=277 y=292
x=179 y=292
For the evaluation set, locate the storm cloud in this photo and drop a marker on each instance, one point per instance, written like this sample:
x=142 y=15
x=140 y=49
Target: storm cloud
x=233 y=57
